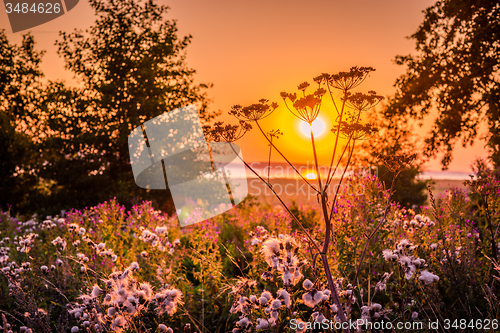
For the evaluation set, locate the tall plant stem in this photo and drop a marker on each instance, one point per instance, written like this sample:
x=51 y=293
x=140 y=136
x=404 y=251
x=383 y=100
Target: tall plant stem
x=326 y=243
x=328 y=179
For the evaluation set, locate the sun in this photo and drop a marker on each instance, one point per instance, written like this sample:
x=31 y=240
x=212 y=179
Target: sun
x=311 y=175
x=318 y=127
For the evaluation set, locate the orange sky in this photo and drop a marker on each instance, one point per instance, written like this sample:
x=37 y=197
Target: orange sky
x=255 y=49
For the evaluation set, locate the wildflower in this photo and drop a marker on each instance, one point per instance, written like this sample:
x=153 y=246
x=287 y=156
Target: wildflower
x=433 y=246
x=161 y=230
x=414 y=315
x=261 y=324
x=312 y=297
x=58 y=241
x=81 y=231
x=318 y=317
x=167 y=301
x=83 y=269
x=244 y=322
x=44 y=269
x=307 y=284
x=163 y=328
x=74 y=329
x=427 y=277
x=134 y=266
x=255 y=241
x=389 y=255
x=276 y=304
x=144 y=254
x=59 y=262
x=382 y=284
x=101 y=246
x=118 y=323
x=96 y=291
x=284 y=296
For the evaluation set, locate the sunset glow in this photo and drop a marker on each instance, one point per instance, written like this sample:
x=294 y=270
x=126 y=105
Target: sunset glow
x=311 y=175
x=318 y=127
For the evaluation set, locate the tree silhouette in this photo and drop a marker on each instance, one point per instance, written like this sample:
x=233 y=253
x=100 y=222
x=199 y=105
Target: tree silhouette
x=131 y=67
x=19 y=89
x=456 y=70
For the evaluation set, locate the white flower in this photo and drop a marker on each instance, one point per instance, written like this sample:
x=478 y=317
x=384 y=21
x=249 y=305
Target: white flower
x=414 y=315
x=389 y=255
x=243 y=322
x=161 y=230
x=96 y=291
x=255 y=241
x=74 y=329
x=261 y=324
x=427 y=277
x=318 y=317
x=307 y=284
x=276 y=304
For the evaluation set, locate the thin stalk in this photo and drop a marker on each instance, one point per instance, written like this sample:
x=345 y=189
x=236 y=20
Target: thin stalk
x=338 y=134
x=289 y=163
x=280 y=200
x=326 y=243
x=341 y=179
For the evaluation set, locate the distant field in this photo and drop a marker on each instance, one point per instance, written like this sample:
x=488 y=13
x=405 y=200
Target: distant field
x=299 y=191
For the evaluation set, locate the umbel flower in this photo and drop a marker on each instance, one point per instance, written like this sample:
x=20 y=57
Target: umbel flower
x=306 y=108
x=254 y=112
x=363 y=102
x=227 y=133
x=356 y=131
x=345 y=80
x=397 y=163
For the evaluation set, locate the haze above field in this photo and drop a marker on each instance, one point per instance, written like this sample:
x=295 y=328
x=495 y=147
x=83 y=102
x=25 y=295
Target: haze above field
x=253 y=50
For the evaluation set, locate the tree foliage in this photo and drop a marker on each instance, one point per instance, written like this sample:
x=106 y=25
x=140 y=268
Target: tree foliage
x=456 y=70
x=19 y=88
x=130 y=67
x=394 y=137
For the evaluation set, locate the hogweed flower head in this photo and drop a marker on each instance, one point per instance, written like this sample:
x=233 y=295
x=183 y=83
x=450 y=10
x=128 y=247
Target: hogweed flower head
x=345 y=80
x=307 y=107
x=227 y=133
x=254 y=112
x=363 y=102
